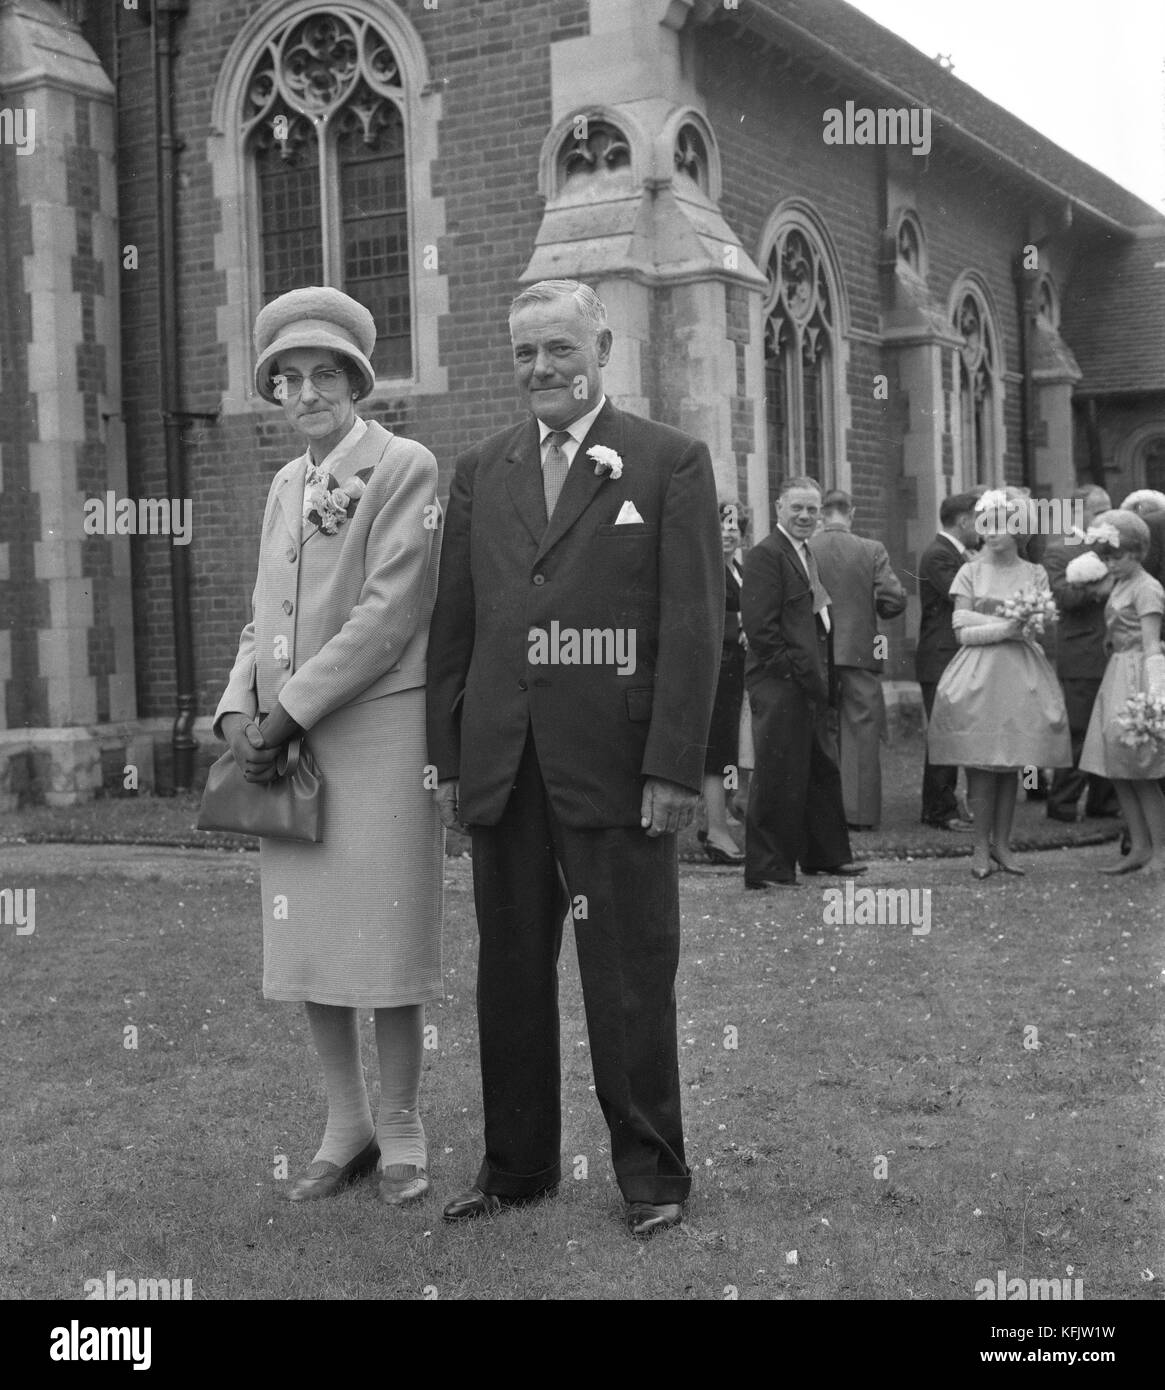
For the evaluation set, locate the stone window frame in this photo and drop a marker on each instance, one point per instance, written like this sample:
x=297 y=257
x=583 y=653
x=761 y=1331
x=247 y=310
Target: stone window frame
x=236 y=242
x=551 y=184
x=665 y=155
x=798 y=214
x=907 y=217
x=971 y=284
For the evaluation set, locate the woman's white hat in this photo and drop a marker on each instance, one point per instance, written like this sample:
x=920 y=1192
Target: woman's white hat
x=316 y=316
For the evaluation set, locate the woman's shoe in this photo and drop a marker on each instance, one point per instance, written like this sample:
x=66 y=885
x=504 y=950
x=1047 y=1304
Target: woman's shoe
x=982 y=873
x=720 y=856
x=402 y=1183
x=1008 y=868
x=324 y=1179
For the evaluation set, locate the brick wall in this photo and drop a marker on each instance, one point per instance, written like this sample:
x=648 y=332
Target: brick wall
x=492 y=61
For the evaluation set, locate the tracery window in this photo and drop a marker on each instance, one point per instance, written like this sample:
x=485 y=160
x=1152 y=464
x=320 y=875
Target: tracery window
x=800 y=360
x=978 y=386
x=324 y=131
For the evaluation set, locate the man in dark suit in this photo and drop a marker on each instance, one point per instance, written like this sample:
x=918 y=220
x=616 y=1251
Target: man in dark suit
x=795 y=811
x=572 y=665
x=862 y=588
x=937 y=566
x=1080 y=660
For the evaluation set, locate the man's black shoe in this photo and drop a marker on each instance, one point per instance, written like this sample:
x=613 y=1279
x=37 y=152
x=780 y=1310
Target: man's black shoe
x=645 y=1218
x=762 y=885
x=840 y=870
x=467 y=1205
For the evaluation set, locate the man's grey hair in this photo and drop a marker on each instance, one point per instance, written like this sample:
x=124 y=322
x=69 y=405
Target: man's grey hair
x=1144 y=501
x=588 y=303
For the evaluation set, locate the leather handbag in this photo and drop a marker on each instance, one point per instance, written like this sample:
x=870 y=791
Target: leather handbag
x=289 y=808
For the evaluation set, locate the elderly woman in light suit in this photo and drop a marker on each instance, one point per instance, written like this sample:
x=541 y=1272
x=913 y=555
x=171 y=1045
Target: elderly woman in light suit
x=336 y=649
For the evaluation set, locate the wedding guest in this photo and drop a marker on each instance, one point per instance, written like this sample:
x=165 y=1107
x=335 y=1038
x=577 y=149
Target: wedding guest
x=795 y=809
x=937 y=566
x=722 y=758
x=998 y=707
x=336 y=649
x=1137 y=666
x=862 y=588
x=1080 y=660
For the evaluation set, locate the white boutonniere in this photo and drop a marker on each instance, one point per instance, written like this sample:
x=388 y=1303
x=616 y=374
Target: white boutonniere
x=606 y=461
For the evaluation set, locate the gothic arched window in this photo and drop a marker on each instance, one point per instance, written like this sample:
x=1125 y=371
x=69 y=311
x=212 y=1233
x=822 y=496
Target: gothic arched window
x=800 y=360
x=978 y=368
x=324 y=131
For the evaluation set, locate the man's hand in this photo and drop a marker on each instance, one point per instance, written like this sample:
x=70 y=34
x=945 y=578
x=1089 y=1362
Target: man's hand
x=255 y=760
x=448 y=804
x=666 y=807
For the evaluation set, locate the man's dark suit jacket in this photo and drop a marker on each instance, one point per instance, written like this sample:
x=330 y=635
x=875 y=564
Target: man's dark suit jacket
x=597 y=733
x=937 y=566
x=1155 y=560
x=786 y=639
x=1079 y=635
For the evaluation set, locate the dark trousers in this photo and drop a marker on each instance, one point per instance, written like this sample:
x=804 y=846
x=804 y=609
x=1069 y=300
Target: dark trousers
x=795 y=810
x=529 y=870
x=1069 y=783
x=938 y=780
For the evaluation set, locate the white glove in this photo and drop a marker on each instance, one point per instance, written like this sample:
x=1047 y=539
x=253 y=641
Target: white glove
x=1155 y=675
x=985 y=634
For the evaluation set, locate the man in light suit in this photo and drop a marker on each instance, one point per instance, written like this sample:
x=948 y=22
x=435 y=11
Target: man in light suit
x=572 y=666
x=795 y=810
x=937 y=566
x=862 y=588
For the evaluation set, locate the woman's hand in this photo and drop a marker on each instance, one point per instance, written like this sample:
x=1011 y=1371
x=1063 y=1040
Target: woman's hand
x=253 y=757
x=279 y=727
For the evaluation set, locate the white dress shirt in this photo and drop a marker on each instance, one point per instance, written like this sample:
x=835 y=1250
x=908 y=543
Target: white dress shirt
x=577 y=430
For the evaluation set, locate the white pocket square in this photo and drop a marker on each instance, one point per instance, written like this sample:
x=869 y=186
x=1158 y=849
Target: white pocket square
x=628 y=515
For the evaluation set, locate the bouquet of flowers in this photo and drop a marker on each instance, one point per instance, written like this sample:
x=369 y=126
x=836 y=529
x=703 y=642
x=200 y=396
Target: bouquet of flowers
x=1033 y=609
x=1143 y=721
x=1086 y=569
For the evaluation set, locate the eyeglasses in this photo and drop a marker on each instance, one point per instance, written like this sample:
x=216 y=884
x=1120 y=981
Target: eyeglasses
x=288 y=385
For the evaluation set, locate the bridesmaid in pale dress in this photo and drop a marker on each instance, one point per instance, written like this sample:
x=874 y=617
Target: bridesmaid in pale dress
x=1133 y=616
x=998 y=708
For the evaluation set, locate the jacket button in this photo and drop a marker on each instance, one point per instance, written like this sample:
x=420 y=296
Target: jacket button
x=539 y=579
x=522 y=685
x=288 y=606
x=291 y=553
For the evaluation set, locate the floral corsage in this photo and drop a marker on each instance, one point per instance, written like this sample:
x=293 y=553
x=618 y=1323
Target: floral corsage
x=328 y=504
x=606 y=461
x=1032 y=609
x=1143 y=721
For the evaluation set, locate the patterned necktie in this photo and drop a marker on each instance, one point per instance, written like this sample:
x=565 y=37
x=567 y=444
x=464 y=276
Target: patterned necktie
x=554 y=469
x=820 y=597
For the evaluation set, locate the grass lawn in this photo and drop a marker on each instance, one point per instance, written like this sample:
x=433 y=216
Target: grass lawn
x=855 y=1044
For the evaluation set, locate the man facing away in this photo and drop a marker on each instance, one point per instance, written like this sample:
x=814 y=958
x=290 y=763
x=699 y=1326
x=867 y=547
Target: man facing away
x=572 y=665
x=937 y=566
x=795 y=811
x=862 y=588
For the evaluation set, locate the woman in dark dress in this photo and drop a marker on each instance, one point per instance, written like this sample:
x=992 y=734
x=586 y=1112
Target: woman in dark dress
x=720 y=765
